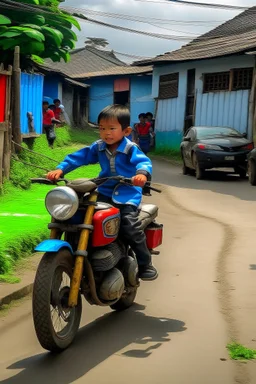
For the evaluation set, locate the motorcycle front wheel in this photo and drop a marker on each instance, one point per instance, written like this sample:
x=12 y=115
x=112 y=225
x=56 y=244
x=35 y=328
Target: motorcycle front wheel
x=55 y=323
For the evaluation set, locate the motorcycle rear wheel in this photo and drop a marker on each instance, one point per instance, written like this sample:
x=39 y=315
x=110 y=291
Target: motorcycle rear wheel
x=50 y=297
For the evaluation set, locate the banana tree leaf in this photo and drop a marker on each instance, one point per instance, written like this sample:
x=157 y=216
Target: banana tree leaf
x=37 y=59
x=54 y=33
x=32 y=26
x=67 y=33
x=10 y=34
x=35 y=35
x=8 y=43
x=33 y=2
x=69 y=43
x=4 y=20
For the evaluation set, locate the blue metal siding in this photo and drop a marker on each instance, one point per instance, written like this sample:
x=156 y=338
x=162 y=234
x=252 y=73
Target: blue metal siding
x=170 y=117
x=141 y=100
x=223 y=109
x=101 y=94
x=31 y=101
x=51 y=87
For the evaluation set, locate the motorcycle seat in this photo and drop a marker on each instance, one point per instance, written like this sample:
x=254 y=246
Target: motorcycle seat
x=148 y=212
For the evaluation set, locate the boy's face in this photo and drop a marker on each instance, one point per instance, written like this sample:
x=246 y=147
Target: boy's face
x=45 y=107
x=149 y=118
x=142 y=119
x=57 y=104
x=111 y=131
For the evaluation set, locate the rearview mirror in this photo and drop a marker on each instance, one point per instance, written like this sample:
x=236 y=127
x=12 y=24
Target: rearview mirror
x=244 y=135
x=187 y=139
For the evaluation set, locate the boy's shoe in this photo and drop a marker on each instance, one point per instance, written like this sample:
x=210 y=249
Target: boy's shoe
x=148 y=272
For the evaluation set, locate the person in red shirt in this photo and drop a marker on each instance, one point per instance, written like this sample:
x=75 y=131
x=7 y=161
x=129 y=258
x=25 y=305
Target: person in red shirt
x=143 y=131
x=48 y=123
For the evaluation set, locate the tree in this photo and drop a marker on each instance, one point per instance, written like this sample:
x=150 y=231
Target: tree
x=39 y=27
x=96 y=42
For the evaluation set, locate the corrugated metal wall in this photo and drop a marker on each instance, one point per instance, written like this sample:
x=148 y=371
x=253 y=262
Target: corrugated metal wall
x=141 y=100
x=31 y=101
x=223 y=109
x=101 y=94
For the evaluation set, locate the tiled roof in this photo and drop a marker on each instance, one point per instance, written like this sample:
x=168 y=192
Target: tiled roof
x=126 y=70
x=235 y=36
x=77 y=83
x=87 y=59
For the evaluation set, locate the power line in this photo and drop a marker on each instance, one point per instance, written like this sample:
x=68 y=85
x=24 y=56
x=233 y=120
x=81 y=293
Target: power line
x=196 y=4
x=143 y=19
x=124 y=29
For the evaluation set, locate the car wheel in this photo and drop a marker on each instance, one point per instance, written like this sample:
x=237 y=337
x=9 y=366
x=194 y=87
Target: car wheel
x=199 y=171
x=252 y=172
x=241 y=171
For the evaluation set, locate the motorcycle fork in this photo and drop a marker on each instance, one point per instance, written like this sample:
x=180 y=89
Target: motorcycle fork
x=81 y=252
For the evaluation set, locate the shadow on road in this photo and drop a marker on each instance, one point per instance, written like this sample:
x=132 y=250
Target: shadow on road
x=95 y=343
x=218 y=181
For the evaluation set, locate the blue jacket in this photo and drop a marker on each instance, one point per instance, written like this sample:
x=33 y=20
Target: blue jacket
x=127 y=161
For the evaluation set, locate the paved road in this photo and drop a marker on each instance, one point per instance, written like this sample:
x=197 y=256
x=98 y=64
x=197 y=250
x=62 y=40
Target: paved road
x=178 y=330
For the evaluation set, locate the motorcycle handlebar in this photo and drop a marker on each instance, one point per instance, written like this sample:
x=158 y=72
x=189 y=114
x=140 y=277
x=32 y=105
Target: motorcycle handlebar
x=97 y=181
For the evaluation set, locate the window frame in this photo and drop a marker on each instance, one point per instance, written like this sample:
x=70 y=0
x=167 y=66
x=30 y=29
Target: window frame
x=166 y=83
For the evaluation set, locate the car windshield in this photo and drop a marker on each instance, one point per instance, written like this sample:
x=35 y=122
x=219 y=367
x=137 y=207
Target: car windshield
x=205 y=132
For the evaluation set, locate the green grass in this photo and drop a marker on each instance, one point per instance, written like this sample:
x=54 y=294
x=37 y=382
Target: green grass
x=166 y=153
x=239 y=352
x=23 y=217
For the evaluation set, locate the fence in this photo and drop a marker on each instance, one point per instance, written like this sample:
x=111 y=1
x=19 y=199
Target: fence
x=5 y=121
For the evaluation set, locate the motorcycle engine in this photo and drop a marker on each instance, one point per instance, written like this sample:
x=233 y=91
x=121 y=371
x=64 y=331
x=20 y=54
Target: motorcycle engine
x=112 y=285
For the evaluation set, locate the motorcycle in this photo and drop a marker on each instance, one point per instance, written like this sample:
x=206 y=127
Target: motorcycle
x=84 y=256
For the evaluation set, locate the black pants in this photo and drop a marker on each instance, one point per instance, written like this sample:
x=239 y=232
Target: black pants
x=130 y=230
x=50 y=134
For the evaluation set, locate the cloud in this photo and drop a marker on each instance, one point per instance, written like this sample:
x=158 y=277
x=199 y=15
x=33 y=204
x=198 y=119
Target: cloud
x=147 y=46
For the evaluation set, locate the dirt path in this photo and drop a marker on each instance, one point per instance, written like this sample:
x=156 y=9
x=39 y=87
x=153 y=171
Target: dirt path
x=175 y=334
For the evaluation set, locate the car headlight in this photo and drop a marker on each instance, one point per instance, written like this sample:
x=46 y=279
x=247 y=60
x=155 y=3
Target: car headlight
x=62 y=203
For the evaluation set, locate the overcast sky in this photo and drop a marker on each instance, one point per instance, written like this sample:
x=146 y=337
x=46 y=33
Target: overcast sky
x=147 y=46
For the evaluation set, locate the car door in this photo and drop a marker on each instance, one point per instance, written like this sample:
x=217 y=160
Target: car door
x=188 y=142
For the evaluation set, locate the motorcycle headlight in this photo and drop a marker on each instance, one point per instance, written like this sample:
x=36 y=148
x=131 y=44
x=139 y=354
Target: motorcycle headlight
x=62 y=203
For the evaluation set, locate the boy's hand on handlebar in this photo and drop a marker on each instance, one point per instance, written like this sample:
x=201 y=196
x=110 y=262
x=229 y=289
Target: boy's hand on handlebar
x=54 y=175
x=139 y=180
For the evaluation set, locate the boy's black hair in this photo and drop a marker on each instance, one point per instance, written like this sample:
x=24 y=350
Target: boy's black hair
x=56 y=101
x=142 y=115
x=45 y=103
x=118 y=112
x=149 y=114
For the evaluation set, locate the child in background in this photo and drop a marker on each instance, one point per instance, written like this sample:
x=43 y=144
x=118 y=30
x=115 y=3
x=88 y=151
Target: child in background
x=143 y=130
x=48 y=123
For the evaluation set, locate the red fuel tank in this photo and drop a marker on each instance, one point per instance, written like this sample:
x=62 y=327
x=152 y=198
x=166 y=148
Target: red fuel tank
x=106 y=223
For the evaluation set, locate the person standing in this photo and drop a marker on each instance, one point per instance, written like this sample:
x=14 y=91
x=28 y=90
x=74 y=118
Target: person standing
x=48 y=123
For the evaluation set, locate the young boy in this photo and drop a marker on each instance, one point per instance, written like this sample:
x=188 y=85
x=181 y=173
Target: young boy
x=117 y=155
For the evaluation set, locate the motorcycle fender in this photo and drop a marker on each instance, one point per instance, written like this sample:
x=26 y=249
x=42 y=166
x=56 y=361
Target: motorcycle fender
x=53 y=245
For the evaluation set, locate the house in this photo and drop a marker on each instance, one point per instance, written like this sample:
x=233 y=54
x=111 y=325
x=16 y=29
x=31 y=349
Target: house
x=106 y=80
x=210 y=81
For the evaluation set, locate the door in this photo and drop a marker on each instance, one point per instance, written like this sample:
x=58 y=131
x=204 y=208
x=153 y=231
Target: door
x=190 y=100
x=122 y=91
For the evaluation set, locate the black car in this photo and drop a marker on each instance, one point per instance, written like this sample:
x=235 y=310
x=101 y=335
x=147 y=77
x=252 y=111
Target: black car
x=252 y=167
x=214 y=147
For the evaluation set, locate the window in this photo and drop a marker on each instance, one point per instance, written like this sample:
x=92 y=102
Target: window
x=169 y=86
x=242 y=78
x=216 y=82
x=235 y=80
